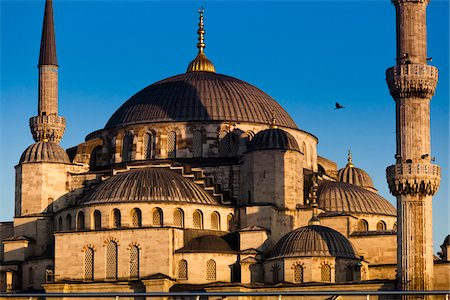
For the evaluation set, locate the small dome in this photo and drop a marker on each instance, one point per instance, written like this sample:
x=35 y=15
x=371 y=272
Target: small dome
x=148 y=184
x=273 y=138
x=341 y=197
x=313 y=240
x=201 y=63
x=206 y=244
x=355 y=176
x=44 y=152
x=446 y=241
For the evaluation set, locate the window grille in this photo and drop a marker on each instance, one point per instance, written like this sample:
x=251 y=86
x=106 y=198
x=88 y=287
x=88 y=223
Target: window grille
x=224 y=144
x=172 y=144
x=136 y=217
x=215 y=223
x=69 y=222
x=126 y=147
x=363 y=226
x=111 y=260
x=197 y=144
x=349 y=273
x=182 y=269
x=157 y=217
x=298 y=274
x=116 y=219
x=134 y=262
x=178 y=218
x=89 y=264
x=197 y=220
x=276 y=273
x=80 y=221
x=211 y=270
x=230 y=222
x=97 y=219
x=326 y=273
x=381 y=226
x=149 y=145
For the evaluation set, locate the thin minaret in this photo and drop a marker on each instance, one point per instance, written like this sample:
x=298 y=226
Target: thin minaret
x=47 y=125
x=413 y=179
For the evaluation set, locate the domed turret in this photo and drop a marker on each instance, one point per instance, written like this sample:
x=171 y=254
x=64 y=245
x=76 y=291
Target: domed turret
x=44 y=151
x=353 y=175
x=273 y=138
x=206 y=244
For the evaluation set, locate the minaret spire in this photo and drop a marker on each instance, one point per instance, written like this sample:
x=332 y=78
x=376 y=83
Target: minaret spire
x=413 y=179
x=349 y=159
x=47 y=125
x=201 y=62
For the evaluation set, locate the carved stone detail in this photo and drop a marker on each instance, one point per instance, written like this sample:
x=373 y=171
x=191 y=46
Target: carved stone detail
x=413 y=179
x=412 y=81
x=47 y=127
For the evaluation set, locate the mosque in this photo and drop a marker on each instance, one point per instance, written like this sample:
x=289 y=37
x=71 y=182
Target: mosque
x=203 y=182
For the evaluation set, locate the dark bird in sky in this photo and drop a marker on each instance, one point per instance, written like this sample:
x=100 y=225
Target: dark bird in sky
x=338 y=106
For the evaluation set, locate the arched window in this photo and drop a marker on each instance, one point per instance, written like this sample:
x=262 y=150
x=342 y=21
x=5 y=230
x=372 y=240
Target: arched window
x=49 y=273
x=95 y=156
x=116 y=219
x=197 y=219
x=381 y=226
x=210 y=270
x=178 y=218
x=80 y=221
x=224 y=144
x=149 y=145
x=134 y=262
x=68 y=221
x=60 y=223
x=197 y=144
x=136 y=217
x=349 y=273
x=395 y=226
x=275 y=273
x=182 y=269
x=157 y=217
x=215 y=221
x=97 y=219
x=172 y=144
x=111 y=260
x=30 y=275
x=325 y=273
x=230 y=222
x=127 y=145
x=298 y=273
x=89 y=264
x=363 y=225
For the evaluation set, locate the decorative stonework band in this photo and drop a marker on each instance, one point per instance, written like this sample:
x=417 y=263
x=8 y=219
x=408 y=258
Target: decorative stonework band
x=47 y=127
x=413 y=179
x=412 y=81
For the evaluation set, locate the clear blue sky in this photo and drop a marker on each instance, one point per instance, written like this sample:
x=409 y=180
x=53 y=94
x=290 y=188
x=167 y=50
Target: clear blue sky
x=305 y=54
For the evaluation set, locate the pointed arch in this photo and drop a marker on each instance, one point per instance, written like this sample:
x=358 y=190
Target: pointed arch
x=197 y=219
x=136 y=217
x=134 y=262
x=116 y=218
x=149 y=145
x=211 y=270
x=157 y=217
x=80 y=221
x=182 y=269
x=88 y=266
x=111 y=260
x=215 y=221
x=172 y=144
x=178 y=218
x=97 y=220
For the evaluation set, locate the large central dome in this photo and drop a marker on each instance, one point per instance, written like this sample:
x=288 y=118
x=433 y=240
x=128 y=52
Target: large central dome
x=200 y=96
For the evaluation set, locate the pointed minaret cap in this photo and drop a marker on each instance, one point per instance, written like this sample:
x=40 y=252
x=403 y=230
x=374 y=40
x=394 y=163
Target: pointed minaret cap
x=47 y=55
x=201 y=62
x=349 y=159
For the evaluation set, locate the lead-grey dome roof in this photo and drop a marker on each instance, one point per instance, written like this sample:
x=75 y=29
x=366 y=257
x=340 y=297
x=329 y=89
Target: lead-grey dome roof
x=206 y=244
x=356 y=176
x=341 y=197
x=44 y=152
x=200 y=96
x=273 y=138
x=148 y=185
x=313 y=240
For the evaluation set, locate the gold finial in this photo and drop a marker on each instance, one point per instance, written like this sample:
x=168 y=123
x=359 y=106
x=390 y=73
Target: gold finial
x=349 y=159
x=201 y=62
x=313 y=198
x=273 y=121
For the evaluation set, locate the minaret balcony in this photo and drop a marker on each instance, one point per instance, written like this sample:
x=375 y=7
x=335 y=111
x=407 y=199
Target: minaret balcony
x=49 y=127
x=412 y=81
x=421 y=179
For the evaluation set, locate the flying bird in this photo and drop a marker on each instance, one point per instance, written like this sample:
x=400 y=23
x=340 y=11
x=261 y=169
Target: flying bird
x=338 y=106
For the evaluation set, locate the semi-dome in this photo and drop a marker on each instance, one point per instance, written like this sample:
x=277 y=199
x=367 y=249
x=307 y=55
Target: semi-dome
x=341 y=197
x=313 y=240
x=200 y=96
x=353 y=175
x=206 y=244
x=148 y=185
x=44 y=151
x=273 y=138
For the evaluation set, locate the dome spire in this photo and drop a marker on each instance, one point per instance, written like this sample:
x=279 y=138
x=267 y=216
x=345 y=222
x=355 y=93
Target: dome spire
x=201 y=62
x=313 y=198
x=349 y=159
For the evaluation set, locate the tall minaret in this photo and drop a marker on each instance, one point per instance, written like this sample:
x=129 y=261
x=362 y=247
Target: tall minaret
x=47 y=125
x=413 y=179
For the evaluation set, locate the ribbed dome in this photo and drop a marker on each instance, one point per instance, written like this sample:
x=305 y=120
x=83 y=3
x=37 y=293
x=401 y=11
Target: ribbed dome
x=149 y=184
x=201 y=63
x=44 y=152
x=200 y=96
x=206 y=244
x=355 y=176
x=273 y=138
x=313 y=240
x=446 y=241
x=342 y=197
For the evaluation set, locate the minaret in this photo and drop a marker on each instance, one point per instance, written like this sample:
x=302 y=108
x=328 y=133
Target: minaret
x=413 y=179
x=47 y=125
